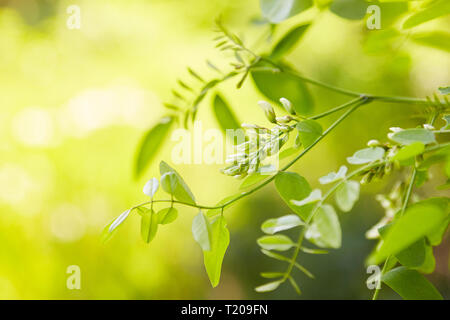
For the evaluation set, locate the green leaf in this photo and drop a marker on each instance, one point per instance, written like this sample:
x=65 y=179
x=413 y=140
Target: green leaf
x=295 y=285
x=410 y=284
x=304 y=270
x=421 y=177
x=409 y=151
x=288 y=41
x=333 y=176
x=290 y=186
x=272 y=226
x=436 y=235
x=440 y=156
x=419 y=220
x=268 y=286
x=149 y=225
x=254 y=179
x=277 y=85
x=435 y=39
x=418 y=256
x=287 y=153
x=313 y=251
x=169 y=182
x=271 y=275
x=201 y=230
x=391 y=11
x=409 y=136
x=346 y=195
x=366 y=155
x=167 y=215
x=314 y=196
x=181 y=191
x=275 y=255
x=278 y=10
x=446 y=118
x=309 y=131
x=220 y=239
x=113 y=226
x=151 y=143
x=224 y=115
x=437 y=9
x=276 y=242
x=325 y=230
x=119 y=220
x=444 y=90
x=349 y=9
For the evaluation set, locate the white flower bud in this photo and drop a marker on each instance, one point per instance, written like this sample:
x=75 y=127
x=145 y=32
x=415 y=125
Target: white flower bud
x=395 y=129
x=268 y=110
x=287 y=105
x=373 y=143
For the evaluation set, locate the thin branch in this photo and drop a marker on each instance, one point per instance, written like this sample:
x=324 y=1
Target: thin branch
x=404 y=205
x=315 y=210
x=357 y=103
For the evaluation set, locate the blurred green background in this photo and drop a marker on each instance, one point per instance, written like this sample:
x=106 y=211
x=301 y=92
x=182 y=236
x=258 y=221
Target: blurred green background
x=74 y=105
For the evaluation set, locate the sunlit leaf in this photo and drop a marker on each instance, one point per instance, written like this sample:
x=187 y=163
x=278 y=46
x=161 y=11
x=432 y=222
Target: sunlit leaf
x=436 y=235
x=290 y=186
x=167 y=215
x=410 y=284
x=287 y=153
x=181 y=191
x=201 y=230
x=418 y=256
x=366 y=155
x=409 y=136
x=278 y=10
x=435 y=10
x=268 y=286
x=288 y=41
x=346 y=195
x=275 y=242
x=224 y=115
x=304 y=270
x=113 y=226
x=436 y=39
x=313 y=197
x=294 y=285
x=272 y=226
x=409 y=151
x=446 y=118
x=271 y=275
x=277 y=85
x=275 y=255
x=349 y=9
x=419 y=220
x=421 y=177
x=309 y=131
x=440 y=156
x=149 y=225
x=313 y=251
x=333 y=176
x=325 y=230
x=169 y=182
x=151 y=143
x=220 y=239
x=119 y=220
x=254 y=179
